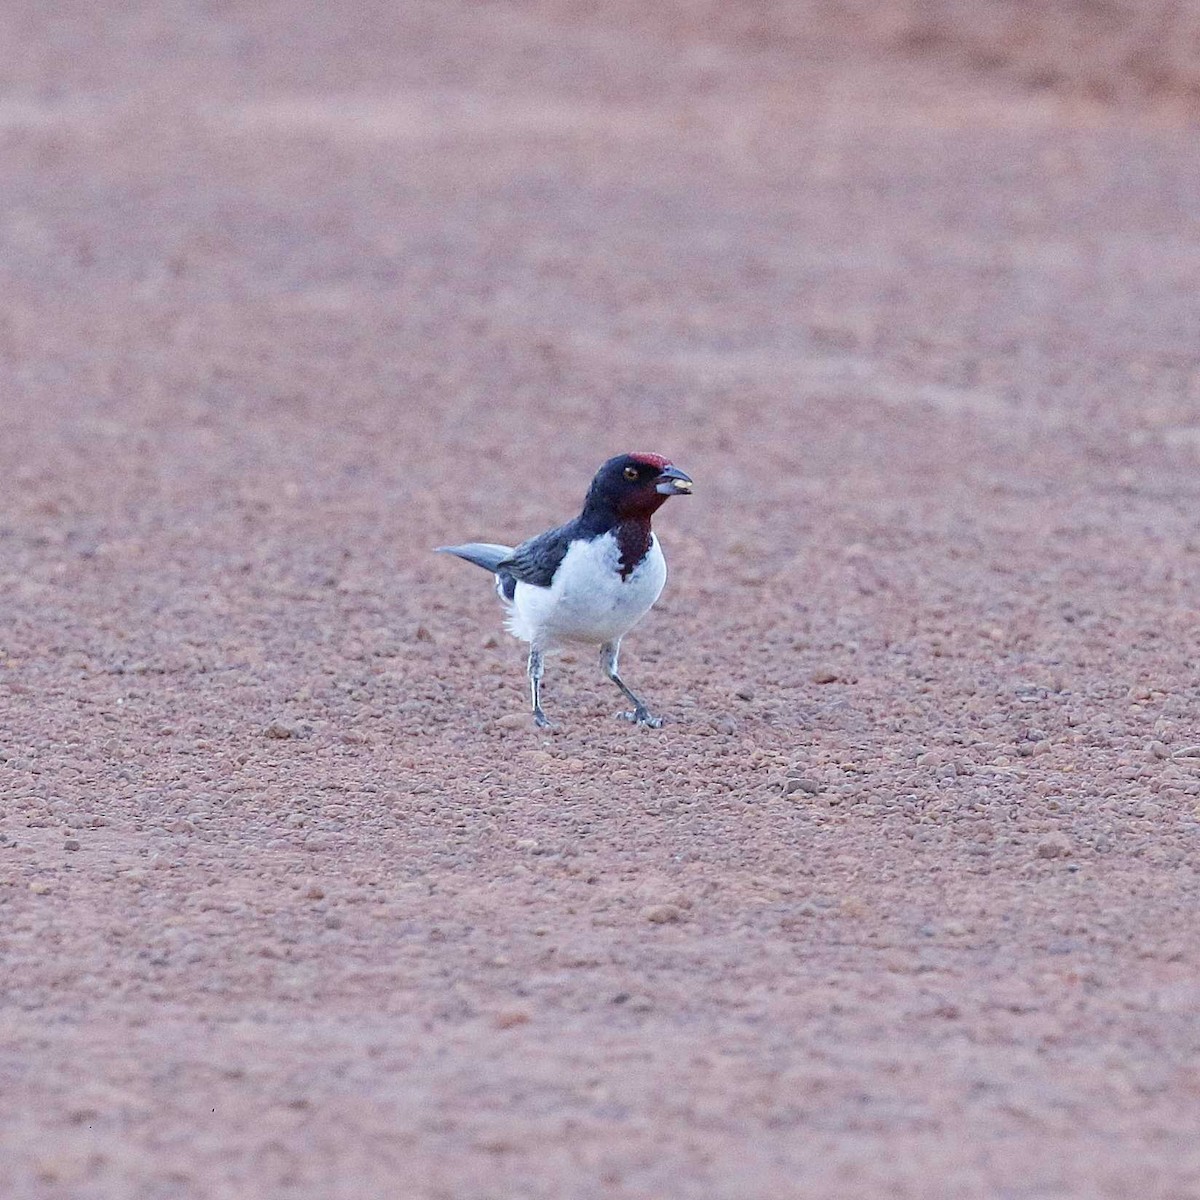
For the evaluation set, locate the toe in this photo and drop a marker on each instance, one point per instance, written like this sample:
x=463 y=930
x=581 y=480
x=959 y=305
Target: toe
x=641 y=717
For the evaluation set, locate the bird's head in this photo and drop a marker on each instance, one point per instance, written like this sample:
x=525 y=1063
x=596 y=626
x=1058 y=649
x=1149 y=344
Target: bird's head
x=634 y=486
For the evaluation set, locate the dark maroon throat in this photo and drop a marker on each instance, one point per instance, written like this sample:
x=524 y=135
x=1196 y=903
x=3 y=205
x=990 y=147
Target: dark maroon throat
x=633 y=540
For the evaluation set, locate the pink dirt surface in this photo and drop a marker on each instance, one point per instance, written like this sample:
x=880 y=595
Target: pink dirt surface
x=294 y=900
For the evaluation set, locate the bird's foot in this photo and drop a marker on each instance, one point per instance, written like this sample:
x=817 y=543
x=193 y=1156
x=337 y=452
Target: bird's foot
x=641 y=716
x=541 y=720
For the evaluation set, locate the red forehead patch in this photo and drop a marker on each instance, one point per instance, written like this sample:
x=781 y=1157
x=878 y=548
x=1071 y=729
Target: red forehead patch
x=651 y=460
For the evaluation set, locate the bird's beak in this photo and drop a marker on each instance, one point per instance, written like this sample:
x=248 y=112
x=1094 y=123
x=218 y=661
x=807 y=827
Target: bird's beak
x=673 y=482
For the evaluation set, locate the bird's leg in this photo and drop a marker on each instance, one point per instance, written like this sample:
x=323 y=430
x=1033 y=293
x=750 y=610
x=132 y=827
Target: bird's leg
x=535 y=688
x=641 y=715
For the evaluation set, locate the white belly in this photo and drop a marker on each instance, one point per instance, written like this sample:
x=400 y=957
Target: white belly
x=588 y=601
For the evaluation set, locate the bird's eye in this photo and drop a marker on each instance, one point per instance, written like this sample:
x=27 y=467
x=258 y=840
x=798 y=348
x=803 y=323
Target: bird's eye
x=631 y=473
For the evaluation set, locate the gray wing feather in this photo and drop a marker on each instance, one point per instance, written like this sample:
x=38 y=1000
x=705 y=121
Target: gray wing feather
x=488 y=555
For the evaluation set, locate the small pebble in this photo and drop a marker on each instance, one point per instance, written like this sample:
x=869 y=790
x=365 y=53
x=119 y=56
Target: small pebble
x=662 y=914
x=509 y=1018
x=809 y=787
x=71 y=844
x=279 y=730
x=1054 y=845
x=824 y=675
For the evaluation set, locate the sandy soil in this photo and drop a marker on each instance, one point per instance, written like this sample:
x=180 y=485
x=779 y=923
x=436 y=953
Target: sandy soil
x=295 y=903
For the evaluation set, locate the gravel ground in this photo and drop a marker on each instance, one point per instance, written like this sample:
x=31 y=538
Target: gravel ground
x=294 y=901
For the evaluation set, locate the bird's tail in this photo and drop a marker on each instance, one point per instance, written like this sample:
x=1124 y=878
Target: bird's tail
x=487 y=555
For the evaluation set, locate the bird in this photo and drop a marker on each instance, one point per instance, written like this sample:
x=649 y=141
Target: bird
x=591 y=580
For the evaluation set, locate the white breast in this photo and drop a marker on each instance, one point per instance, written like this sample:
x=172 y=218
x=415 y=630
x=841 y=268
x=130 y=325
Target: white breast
x=588 y=601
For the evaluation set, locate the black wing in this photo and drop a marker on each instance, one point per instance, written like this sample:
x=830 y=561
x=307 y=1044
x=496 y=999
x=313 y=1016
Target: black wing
x=536 y=560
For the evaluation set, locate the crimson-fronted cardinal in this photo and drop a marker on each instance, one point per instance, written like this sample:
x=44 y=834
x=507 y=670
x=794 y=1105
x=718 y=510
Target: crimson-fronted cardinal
x=591 y=580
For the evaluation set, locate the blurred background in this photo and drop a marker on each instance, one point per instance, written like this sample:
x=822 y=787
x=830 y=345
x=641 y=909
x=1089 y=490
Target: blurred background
x=372 y=275
x=266 y=255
